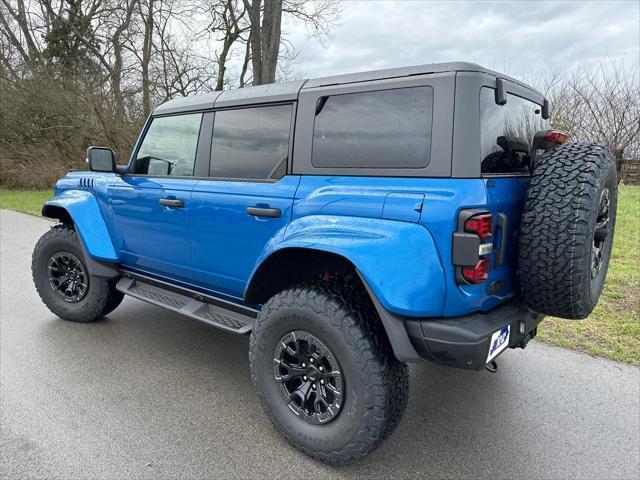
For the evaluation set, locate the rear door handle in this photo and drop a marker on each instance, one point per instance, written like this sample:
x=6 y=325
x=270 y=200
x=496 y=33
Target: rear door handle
x=264 y=212
x=171 y=202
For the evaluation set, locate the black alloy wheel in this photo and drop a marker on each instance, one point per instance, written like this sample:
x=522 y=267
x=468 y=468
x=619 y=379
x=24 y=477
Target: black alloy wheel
x=600 y=233
x=324 y=370
x=67 y=276
x=308 y=376
x=65 y=283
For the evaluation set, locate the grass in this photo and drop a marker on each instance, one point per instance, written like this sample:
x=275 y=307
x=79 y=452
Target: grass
x=612 y=330
x=27 y=201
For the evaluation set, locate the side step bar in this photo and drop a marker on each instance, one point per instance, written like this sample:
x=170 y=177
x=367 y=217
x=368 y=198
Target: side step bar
x=214 y=311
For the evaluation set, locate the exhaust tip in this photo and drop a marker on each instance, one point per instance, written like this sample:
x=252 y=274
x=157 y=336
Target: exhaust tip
x=492 y=366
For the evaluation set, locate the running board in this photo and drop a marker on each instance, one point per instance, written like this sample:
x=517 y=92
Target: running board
x=210 y=310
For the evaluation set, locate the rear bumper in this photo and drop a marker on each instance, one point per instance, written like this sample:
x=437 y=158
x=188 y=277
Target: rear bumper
x=465 y=342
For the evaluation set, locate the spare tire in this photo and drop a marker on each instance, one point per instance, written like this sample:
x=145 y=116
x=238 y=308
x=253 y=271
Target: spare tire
x=567 y=228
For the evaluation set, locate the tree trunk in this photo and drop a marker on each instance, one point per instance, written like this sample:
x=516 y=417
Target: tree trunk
x=146 y=58
x=116 y=71
x=116 y=79
x=222 y=61
x=231 y=34
x=19 y=15
x=21 y=19
x=271 y=33
x=245 y=64
x=618 y=155
x=253 y=9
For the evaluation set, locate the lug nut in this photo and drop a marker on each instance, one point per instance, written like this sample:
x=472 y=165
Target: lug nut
x=311 y=360
x=314 y=386
x=321 y=368
x=321 y=382
x=304 y=377
x=304 y=365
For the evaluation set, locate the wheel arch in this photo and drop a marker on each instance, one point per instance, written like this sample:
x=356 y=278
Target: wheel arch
x=55 y=211
x=295 y=265
x=399 y=260
x=80 y=211
x=290 y=266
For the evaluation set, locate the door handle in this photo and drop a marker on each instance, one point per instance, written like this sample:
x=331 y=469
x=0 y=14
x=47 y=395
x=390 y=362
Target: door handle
x=264 y=212
x=171 y=202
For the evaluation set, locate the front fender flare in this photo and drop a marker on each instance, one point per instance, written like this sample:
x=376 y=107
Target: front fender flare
x=398 y=260
x=87 y=218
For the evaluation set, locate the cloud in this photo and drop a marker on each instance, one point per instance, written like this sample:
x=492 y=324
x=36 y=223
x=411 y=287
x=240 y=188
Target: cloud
x=519 y=38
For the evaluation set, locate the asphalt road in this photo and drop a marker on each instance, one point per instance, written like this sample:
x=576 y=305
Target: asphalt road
x=149 y=394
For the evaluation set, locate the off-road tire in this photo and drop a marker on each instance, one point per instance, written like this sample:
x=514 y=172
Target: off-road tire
x=114 y=298
x=558 y=226
x=376 y=383
x=101 y=297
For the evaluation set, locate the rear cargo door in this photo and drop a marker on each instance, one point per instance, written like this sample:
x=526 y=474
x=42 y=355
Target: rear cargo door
x=506 y=134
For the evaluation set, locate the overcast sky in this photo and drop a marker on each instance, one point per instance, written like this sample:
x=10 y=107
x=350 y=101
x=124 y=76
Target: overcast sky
x=519 y=38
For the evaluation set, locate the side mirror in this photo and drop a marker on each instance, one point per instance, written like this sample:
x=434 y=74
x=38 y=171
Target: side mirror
x=501 y=92
x=101 y=159
x=546 y=109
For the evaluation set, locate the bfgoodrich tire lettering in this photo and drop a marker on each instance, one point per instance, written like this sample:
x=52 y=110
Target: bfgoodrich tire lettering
x=375 y=383
x=101 y=296
x=570 y=208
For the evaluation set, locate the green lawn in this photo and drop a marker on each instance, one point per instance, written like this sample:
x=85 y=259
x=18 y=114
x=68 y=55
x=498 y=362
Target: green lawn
x=28 y=201
x=612 y=330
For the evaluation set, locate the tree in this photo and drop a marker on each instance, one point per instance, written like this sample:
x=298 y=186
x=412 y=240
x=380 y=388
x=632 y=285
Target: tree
x=79 y=72
x=257 y=26
x=600 y=104
x=265 y=38
x=147 y=14
x=69 y=31
x=231 y=23
x=16 y=29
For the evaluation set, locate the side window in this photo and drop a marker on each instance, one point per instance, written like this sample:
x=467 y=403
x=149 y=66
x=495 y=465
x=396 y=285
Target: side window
x=379 y=129
x=251 y=143
x=506 y=132
x=169 y=146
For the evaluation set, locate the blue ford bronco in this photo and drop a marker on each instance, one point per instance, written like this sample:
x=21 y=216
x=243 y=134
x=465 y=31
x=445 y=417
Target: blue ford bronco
x=350 y=224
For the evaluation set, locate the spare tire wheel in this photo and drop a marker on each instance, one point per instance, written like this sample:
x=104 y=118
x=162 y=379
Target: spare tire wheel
x=567 y=229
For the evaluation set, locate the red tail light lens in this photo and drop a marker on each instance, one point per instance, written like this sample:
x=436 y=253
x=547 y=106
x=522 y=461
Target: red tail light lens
x=481 y=225
x=477 y=274
x=556 y=136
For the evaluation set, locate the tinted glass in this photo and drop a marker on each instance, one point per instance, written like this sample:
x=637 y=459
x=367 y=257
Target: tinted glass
x=251 y=143
x=169 y=147
x=381 y=129
x=101 y=159
x=507 y=131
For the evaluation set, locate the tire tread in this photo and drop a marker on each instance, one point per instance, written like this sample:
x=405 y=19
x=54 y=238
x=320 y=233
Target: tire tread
x=345 y=306
x=555 y=231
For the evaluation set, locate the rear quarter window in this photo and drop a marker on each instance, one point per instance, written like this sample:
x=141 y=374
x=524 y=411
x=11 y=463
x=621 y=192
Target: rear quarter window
x=506 y=132
x=376 y=129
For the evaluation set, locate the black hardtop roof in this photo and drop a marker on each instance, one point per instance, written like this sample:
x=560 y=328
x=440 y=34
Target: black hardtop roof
x=288 y=91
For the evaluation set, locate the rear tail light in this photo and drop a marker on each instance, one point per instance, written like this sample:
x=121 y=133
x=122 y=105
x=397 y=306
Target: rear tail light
x=472 y=242
x=556 y=136
x=481 y=225
x=477 y=274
